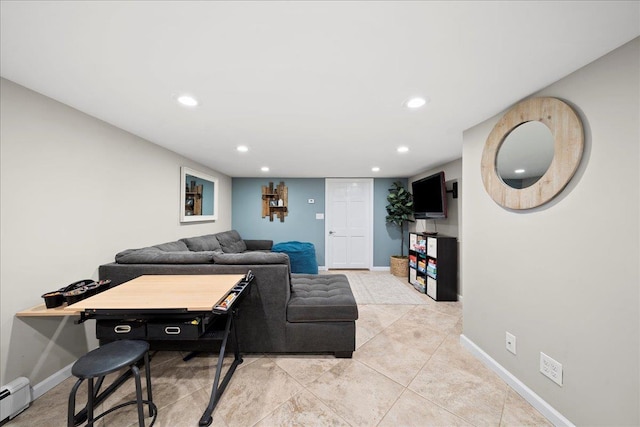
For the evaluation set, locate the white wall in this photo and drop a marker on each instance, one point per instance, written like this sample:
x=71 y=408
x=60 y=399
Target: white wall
x=75 y=190
x=564 y=277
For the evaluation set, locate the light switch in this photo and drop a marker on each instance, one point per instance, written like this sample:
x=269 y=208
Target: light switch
x=311 y=201
x=319 y=216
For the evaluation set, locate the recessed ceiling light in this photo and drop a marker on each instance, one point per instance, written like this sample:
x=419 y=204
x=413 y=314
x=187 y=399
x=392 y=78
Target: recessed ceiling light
x=264 y=169
x=403 y=149
x=242 y=148
x=375 y=169
x=187 y=100
x=415 y=102
x=519 y=171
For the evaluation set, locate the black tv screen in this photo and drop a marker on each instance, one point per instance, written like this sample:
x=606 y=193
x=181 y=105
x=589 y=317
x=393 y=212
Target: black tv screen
x=430 y=197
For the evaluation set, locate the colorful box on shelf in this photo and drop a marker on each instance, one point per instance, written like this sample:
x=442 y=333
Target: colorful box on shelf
x=412 y=261
x=422 y=267
x=431 y=268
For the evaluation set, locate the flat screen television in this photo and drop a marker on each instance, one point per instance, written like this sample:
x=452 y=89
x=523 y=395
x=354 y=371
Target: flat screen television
x=430 y=197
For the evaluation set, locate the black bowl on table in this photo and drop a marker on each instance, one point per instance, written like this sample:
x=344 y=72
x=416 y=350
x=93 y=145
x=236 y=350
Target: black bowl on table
x=53 y=299
x=103 y=285
x=92 y=289
x=75 y=295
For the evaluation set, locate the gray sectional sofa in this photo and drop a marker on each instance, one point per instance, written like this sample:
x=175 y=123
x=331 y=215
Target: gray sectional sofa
x=283 y=312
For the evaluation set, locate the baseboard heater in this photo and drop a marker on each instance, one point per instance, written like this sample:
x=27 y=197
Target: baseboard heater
x=14 y=398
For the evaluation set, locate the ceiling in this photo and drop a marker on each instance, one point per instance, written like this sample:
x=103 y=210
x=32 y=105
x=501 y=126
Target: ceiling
x=313 y=89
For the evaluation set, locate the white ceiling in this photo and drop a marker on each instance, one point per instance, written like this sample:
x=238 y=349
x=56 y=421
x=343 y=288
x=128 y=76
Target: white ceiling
x=314 y=89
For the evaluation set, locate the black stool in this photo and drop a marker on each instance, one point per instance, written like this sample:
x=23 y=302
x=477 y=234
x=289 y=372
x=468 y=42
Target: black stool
x=105 y=360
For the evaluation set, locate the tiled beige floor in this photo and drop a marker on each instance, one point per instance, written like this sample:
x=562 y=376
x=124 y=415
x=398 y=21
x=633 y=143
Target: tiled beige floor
x=409 y=369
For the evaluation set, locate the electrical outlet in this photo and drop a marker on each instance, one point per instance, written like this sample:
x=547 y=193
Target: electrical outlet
x=551 y=368
x=511 y=342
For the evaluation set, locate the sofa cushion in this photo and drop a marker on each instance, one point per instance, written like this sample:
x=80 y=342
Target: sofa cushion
x=203 y=243
x=258 y=245
x=154 y=255
x=231 y=242
x=249 y=258
x=171 y=246
x=323 y=298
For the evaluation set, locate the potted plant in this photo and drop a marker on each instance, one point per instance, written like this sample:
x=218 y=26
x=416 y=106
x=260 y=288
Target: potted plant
x=400 y=213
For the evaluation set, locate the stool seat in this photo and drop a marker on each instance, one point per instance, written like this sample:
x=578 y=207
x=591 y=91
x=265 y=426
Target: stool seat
x=104 y=360
x=109 y=358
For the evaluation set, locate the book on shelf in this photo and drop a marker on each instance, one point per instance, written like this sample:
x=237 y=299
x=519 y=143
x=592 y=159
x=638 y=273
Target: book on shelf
x=422 y=266
x=412 y=261
x=432 y=268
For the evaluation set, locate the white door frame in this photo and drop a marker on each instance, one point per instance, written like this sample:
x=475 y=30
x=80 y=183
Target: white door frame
x=369 y=183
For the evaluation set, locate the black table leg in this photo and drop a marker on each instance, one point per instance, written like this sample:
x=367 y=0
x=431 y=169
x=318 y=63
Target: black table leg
x=217 y=390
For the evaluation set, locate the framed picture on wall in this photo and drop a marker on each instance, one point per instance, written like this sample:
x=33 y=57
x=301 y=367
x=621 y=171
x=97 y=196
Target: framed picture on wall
x=198 y=196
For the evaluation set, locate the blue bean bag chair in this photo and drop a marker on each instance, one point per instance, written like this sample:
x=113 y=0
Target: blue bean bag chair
x=302 y=256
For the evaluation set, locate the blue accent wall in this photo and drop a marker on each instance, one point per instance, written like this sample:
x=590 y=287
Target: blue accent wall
x=386 y=237
x=301 y=223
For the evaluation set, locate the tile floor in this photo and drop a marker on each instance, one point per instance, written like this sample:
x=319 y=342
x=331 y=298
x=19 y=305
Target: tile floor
x=409 y=369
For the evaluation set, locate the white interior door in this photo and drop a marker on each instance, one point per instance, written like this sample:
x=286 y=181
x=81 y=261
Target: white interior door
x=349 y=223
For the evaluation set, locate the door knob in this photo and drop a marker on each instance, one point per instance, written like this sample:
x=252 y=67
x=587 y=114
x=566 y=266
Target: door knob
x=332 y=232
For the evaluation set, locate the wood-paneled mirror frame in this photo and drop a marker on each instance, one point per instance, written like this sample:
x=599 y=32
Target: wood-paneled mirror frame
x=568 y=136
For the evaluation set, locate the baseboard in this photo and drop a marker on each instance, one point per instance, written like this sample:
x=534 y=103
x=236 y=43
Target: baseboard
x=324 y=268
x=44 y=386
x=548 y=411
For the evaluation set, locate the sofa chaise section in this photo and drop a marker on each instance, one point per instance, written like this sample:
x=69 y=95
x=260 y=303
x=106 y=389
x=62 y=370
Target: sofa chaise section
x=321 y=314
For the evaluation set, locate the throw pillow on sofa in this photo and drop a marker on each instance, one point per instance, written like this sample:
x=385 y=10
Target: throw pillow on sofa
x=203 y=243
x=176 y=246
x=231 y=242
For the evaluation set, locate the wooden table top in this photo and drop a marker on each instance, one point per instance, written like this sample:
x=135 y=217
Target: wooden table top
x=41 y=310
x=189 y=292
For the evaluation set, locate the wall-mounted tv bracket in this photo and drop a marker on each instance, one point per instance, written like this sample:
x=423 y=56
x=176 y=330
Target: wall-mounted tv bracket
x=454 y=191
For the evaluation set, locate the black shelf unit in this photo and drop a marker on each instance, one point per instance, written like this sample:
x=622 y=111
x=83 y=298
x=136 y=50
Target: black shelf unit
x=433 y=265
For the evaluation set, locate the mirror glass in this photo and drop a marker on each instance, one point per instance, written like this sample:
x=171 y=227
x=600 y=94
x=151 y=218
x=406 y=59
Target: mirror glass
x=198 y=196
x=525 y=155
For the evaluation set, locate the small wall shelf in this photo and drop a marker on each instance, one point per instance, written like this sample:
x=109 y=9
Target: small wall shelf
x=275 y=201
x=193 y=199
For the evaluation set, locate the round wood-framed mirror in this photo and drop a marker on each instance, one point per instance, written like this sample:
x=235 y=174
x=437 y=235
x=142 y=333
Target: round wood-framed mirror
x=568 y=144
